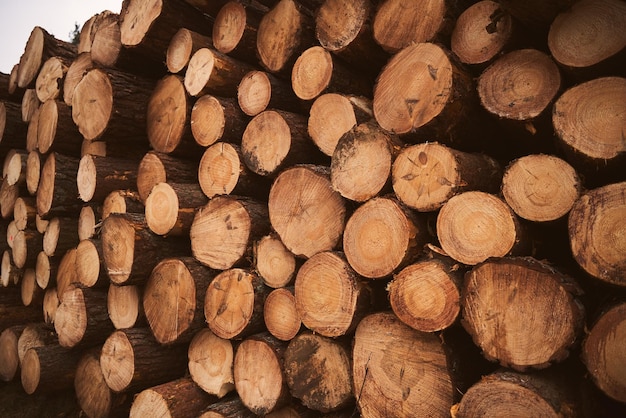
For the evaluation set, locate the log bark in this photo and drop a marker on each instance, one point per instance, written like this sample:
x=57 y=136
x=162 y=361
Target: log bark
x=12 y=128
x=9 y=360
x=49 y=81
x=331 y=298
x=170 y=207
x=536 y=15
x=391 y=360
x=35 y=334
x=211 y=363
x=382 y=236
x=538 y=294
x=12 y=310
x=132 y=360
x=79 y=66
x=281 y=315
x=48 y=368
x=235 y=30
x=124 y=306
x=211 y=72
x=274 y=262
x=182 y=46
x=157 y=167
x=122 y=201
x=173 y=299
x=233 y=225
x=57 y=193
x=99 y=176
x=259 y=374
x=233 y=304
x=217 y=118
x=231 y=407
x=595 y=228
x=56 y=131
x=425 y=176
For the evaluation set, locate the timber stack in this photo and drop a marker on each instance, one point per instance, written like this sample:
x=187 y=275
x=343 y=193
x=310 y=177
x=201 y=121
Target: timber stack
x=317 y=208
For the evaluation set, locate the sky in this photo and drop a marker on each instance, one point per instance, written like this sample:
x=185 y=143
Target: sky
x=58 y=17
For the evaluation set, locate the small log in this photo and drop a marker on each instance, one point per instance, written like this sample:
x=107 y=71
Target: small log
x=132 y=360
x=32 y=294
x=33 y=171
x=182 y=46
x=48 y=368
x=56 y=131
x=66 y=272
x=8 y=195
x=474 y=226
x=90 y=267
x=57 y=193
x=61 y=234
x=99 y=176
x=390 y=360
x=233 y=304
x=173 y=299
x=538 y=294
x=217 y=118
x=307 y=214
x=24 y=212
x=14 y=92
x=425 y=176
x=124 y=306
x=327 y=280
x=88 y=222
x=382 y=236
x=9 y=360
x=35 y=334
x=50 y=305
x=596 y=233
x=26 y=245
x=231 y=407
x=30 y=103
x=211 y=363
x=259 y=374
x=235 y=30
x=273 y=261
x=32 y=130
x=14 y=167
x=122 y=201
x=211 y=72
x=170 y=207
x=49 y=81
x=281 y=315
x=232 y=224
x=11 y=274
x=157 y=167
x=46 y=269
x=260 y=90
x=81 y=65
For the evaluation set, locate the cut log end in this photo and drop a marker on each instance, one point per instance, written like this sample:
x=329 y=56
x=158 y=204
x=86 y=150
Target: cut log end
x=161 y=209
x=219 y=169
x=123 y=305
x=92 y=104
x=210 y=363
x=167 y=114
x=280 y=314
x=118 y=237
x=207 y=120
x=311 y=73
x=274 y=262
x=229 y=27
x=254 y=93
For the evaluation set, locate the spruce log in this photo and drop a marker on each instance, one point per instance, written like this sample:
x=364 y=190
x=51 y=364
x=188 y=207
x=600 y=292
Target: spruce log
x=157 y=167
x=521 y=312
x=217 y=118
x=596 y=233
x=99 y=176
x=260 y=90
x=57 y=193
x=122 y=201
x=211 y=363
x=425 y=176
x=331 y=298
x=230 y=407
x=9 y=360
x=273 y=261
x=49 y=81
x=173 y=299
x=48 y=368
x=182 y=46
x=536 y=15
x=124 y=306
x=211 y=72
x=170 y=207
x=382 y=236
x=81 y=64
x=56 y=131
x=209 y=7
x=281 y=315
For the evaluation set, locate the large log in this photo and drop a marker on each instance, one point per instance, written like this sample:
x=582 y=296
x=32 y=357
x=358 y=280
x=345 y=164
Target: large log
x=49 y=82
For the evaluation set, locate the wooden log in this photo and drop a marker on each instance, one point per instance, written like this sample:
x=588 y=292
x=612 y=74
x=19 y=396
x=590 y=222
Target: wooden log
x=131 y=250
x=170 y=207
x=233 y=304
x=12 y=128
x=157 y=167
x=209 y=7
x=318 y=371
x=178 y=399
x=536 y=15
x=111 y=102
x=88 y=221
x=390 y=360
x=14 y=167
x=260 y=90
x=8 y=196
x=12 y=310
x=259 y=374
x=35 y=334
x=56 y=131
x=327 y=280
x=132 y=360
x=66 y=273
x=231 y=407
x=537 y=293
x=85 y=37
x=235 y=30
x=124 y=306
x=32 y=294
x=273 y=261
x=90 y=267
x=32 y=130
x=49 y=81
x=11 y=274
x=29 y=105
x=233 y=224
x=79 y=66
x=173 y=299
x=182 y=46
x=61 y=234
x=307 y=214
x=425 y=176
x=474 y=226
x=33 y=171
x=50 y=305
x=99 y=176
x=217 y=118
x=12 y=90
x=57 y=193
x=595 y=228
x=40 y=46
x=26 y=245
x=48 y=368
x=122 y=201
x=284 y=32
x=9 y=360
x=211 y=363
x=382 y=236
x=281 y=315
x=211 y=72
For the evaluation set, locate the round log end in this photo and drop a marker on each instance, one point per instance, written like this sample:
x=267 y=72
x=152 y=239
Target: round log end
x=254 y=92
x=123 y=304
x=330 y=117
x=199 y=71
x=219 y=169
x=118 y=248
x=70 y=320
x=167 y=114
x=280 y=314
x=211 y=363
x=31 y=371
x=136 y=19
x=229 y=26
x=207 y=120
x=311 y=73
x=274 y=262
x=179 y=51
x=161 y=209
x=150 y=172
x=92 y=104
x=117 y=361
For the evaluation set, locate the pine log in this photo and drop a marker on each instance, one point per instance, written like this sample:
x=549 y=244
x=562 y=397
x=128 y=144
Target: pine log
x=81 y=65
x=173 y=299
x=26 y=245
x=48 y=368
x=111 y=102
x=331 y=298
x=235 y=31
x=82 y=319
x=602 y=351
x=61 y=234
x=176 y=399
x=588 y=124
x=596 y=233
x=50 y=305
x=307 y=214
x=182 y=46
x=131 y=250
x=382 y=236
x=49 y=81
x=284 y=32
x=90 y=267
x=32 y=294
x=260 y=90
x=29 y=105
x=281 y=315
x=273 y=261
x=14 y=167
x=217 y=118
x=233 y=304
x=365 y=145
x=57 y=193
x=99 y=176
x=88 y=222
x=33 y=171
x=259 y=374
x=474 y=226
x=540 y=188
x=223 y=230
x=56 y=131
x=231 y=407
x=132 y=360
x=157 y=167
x=547 y=317
x=12 y=127
x=344 y=28
x=425 y=176
x=124 y=306
x=9 y=360
x=318 y=371
x=40 y=46
x=122 y=201
x=587 y=39
x=211 y=72
x=211 y=363
x=398 y=370
x=170 y=207
x=12 y=310
x=35 y=334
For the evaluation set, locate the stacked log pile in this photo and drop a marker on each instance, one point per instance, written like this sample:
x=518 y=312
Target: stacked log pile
x=317 y=208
